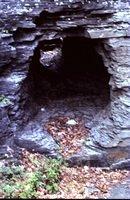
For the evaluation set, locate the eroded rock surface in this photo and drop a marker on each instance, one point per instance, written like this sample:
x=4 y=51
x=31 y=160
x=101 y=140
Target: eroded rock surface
x=121 y=191
x=32 y=34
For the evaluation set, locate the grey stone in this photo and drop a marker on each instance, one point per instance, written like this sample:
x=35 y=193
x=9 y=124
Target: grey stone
x=128 y=32
x=4 y=125
x=51 y=59
x=89 y=190
x=106 y=33
x=34 y=139
x=124 y=164
x=120 y=191
x=88 y=156
x=124 y=134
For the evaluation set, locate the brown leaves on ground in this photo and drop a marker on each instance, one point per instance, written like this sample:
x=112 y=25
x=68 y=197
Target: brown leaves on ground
x=75 y=182
x=78 y=182
x=70 y=137
x=89 y=182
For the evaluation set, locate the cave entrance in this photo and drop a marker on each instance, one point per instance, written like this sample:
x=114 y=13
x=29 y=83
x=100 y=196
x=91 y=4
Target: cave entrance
x=84 y=67
x=79 y=85
x=67 y=86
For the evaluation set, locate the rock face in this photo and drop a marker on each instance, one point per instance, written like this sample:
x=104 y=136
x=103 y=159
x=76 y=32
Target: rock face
x=121 y=190
x=33 y=31
x=37 y=141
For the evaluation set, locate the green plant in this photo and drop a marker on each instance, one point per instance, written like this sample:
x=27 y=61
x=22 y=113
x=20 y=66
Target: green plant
x=32 y=182
x=26 y=187
x=25 y=180
x=52 y=171
x=13 y=171
x=10 y=176
x=8 y=190
x=11 y=189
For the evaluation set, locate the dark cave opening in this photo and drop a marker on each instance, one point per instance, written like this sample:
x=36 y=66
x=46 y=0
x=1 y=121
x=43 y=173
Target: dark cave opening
x=84 y=66
x=81 y=71
x=74 y=84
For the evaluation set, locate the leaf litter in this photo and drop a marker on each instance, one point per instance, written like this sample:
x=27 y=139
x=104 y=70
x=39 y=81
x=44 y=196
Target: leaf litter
x=74 y=182
x=69 y=133
x=79 y=182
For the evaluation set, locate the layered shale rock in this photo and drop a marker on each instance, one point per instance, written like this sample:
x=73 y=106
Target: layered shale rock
x=32 y=37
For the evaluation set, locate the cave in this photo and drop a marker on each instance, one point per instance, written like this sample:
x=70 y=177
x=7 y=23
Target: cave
x=66 y=59
x=75 y=81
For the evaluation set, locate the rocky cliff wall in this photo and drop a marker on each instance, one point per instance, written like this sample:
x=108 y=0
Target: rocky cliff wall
x=25 y=25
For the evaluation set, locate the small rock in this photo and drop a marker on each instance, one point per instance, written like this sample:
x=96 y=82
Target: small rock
x=90 y=191
x=71 y=122
x=42 y=109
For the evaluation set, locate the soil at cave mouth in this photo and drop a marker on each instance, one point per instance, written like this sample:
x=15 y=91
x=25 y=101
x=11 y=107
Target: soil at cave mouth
x=56 y=116
x=69 y=133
